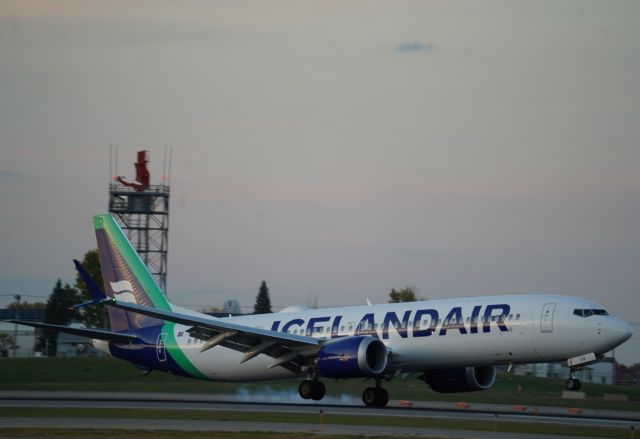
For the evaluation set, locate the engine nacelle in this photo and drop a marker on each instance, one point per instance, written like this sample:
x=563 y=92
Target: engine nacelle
x=351 y=357
x=463 y=379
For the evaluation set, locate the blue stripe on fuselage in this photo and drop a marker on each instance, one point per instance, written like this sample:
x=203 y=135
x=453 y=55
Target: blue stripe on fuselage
x=150 y=353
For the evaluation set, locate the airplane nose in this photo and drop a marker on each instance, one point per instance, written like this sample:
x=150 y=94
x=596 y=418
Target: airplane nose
x=621 y=332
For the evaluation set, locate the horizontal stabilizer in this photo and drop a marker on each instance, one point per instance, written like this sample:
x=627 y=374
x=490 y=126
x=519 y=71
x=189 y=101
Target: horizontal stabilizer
x=99 y=334
x=96 y=293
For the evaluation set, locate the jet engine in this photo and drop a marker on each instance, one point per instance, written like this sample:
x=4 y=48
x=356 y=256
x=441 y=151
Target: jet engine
x=351 y=357
x=463 y=379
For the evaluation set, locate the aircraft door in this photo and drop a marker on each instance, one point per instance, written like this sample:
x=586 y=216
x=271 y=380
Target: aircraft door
x=546 y=318
x=161 y=351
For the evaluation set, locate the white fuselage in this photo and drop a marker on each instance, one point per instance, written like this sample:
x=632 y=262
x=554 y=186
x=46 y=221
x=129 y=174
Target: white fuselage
x=435 y=334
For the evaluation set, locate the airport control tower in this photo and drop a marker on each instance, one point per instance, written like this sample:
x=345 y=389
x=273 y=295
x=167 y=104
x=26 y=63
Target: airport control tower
x=142 y=210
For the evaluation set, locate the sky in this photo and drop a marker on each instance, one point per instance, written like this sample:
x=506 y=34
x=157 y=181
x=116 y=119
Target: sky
x=334 y=149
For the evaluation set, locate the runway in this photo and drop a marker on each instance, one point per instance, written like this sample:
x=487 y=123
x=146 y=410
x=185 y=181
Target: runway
x=230 y=403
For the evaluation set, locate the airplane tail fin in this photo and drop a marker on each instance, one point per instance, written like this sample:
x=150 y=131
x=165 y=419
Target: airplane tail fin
x=126 y=277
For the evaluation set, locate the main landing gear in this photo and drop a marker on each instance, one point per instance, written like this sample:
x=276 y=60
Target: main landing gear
x=372 y=396
x=375 y=396
x=312 y=389
x=572 y=382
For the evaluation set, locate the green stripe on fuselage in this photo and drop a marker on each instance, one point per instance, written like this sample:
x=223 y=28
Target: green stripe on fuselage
x=176 y=353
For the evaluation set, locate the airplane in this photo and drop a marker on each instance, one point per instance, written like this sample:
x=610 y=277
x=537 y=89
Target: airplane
x=453 y=345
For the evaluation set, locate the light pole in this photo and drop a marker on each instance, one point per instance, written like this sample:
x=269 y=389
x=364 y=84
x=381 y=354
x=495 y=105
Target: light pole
x=15 y=326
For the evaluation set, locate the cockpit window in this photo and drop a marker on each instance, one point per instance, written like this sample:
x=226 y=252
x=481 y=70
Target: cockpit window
x=590 y=312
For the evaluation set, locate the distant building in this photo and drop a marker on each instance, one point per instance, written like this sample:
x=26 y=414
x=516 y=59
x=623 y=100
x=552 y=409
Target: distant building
x=25 y=336
x=231 y=307
x=598 y=373
x=70 y=345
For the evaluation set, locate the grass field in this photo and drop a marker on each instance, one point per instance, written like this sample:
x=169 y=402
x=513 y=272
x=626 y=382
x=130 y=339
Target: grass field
x=109 y=374
x=91 y=433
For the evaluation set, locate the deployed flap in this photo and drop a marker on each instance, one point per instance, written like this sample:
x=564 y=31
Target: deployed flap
x=100 y=334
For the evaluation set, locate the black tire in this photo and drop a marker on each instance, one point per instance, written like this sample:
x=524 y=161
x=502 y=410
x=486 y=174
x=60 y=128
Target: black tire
x=370 y=396
x=570 y=384
x=319 y=390
x=305 y=389
x=382 y=398
x=576 y=385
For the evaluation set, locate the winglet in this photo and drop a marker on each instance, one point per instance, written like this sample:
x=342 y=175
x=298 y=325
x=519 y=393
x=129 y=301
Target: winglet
x=97 y=295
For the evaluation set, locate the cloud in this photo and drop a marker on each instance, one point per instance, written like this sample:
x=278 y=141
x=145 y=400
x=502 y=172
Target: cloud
x=413 y=46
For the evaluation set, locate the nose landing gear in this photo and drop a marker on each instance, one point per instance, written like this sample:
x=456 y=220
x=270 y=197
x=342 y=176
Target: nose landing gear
x=572 y=382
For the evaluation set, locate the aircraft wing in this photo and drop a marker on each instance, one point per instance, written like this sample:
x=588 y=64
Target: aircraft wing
x=99 y=334
x=284 y=348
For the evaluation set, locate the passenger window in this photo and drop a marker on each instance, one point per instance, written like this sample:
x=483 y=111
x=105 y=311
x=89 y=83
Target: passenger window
x=341 y=328
x=517 y=316
x=510 y=316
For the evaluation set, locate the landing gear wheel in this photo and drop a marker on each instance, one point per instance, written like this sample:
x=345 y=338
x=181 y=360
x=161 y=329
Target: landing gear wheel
x=383 y=397
x=577 y=384
x=305 y=389
x=312 y=390
x=572 y=384
x=369 y=396
x=375 y=397
x=319 y=391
